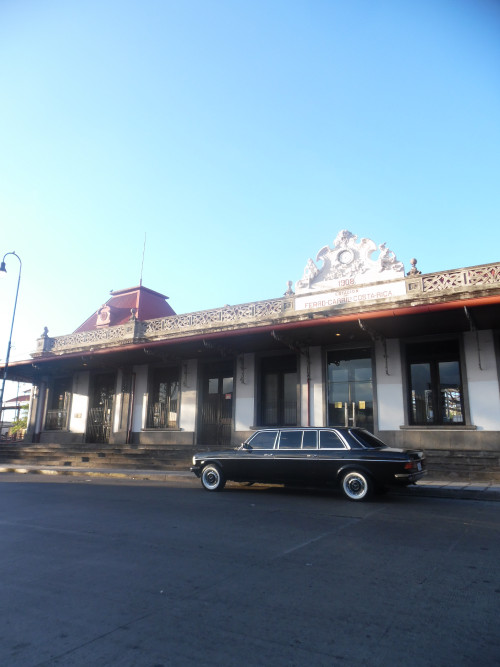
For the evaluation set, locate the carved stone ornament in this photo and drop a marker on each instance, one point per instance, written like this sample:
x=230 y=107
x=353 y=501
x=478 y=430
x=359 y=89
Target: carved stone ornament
x=413 y=271
x=349 y=262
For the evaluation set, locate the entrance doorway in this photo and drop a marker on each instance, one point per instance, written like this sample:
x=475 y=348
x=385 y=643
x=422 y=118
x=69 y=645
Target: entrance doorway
x=279 y=391
x=217 y=405
x=101 y=408
x=350 y=388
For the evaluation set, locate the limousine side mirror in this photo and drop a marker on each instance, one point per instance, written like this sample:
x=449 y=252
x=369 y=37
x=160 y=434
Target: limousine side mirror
x=245 y=445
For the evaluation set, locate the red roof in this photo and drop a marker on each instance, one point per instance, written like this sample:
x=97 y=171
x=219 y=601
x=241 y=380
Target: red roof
x=19 y=399
x=147 y=303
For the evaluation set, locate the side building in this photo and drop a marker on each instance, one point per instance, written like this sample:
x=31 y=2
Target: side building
x=412 y=357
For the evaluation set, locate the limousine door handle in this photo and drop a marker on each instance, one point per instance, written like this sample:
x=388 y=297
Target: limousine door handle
x=267 y=454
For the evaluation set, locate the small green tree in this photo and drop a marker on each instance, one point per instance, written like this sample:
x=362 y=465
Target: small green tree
x=19 y=425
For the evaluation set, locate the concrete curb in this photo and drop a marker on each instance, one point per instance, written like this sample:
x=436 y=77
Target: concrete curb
x=430 y=488
x=455 y=489
x=161 y=475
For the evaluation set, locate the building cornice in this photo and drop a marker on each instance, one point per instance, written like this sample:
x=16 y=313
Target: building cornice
x=410 y=294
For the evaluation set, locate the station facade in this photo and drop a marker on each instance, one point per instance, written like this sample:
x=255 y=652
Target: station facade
x=412 y=357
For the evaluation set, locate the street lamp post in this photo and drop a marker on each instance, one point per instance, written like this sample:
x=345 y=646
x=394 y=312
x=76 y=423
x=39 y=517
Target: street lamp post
x=9 y=345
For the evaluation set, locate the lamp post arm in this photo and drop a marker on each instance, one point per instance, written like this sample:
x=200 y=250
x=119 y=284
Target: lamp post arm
x=9 y=345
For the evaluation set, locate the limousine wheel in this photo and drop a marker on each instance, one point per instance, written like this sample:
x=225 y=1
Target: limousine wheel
x=212 y=478
x=356 y=485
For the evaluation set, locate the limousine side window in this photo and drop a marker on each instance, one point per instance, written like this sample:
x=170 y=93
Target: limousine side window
x=263 y=440
x=290 y=439
x=330 y=440
x=310 y=440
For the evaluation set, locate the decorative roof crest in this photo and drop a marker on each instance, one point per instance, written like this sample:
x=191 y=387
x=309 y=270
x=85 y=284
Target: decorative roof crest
x=103 y=316
x=349 y=263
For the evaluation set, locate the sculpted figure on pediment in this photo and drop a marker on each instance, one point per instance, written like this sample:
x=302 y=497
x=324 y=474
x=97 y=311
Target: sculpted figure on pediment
x=310 y=272
x=349 y=260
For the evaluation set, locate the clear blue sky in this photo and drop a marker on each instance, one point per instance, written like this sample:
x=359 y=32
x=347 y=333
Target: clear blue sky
x=240 y=137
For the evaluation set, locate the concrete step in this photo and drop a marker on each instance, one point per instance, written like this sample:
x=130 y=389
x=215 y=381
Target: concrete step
x=145 y=458
x=441 y=464
x=463 y=464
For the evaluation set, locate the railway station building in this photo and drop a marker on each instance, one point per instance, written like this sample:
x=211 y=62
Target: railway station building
x=356 y=340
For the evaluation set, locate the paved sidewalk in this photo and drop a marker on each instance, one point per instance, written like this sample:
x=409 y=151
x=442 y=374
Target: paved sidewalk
x=427 y=487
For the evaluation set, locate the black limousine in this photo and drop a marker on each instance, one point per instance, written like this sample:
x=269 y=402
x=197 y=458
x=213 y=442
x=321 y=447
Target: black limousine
x=350 y=458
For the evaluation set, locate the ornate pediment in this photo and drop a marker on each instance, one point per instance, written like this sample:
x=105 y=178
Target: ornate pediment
x=349 y=262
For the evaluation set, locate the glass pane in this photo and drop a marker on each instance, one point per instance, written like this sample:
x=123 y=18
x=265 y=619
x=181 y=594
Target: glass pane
x=270 y=407
x=213 y=385
x=174 y=390
x=263 y=440
x=367 y=439
x=338 y=392
x=330 y=440
x=227 y=385
x=450 y=392
x=338 y=396
x=309 y=440
x=362 y=370
x=421 y=394
x=290 y=398
x=162 y=392
x=338 y=371
x=336 y=415
x=361 y=392
x=290 y=440
x=449 y=373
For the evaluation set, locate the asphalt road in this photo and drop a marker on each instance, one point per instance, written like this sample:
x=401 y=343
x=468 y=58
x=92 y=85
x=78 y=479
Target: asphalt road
x=124 y=572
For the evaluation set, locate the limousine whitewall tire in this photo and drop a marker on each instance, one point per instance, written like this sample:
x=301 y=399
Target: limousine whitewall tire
x=356 y=485
x=212 y=478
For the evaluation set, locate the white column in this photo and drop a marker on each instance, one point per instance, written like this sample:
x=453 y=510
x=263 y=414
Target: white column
x=244 y=392
x=482 y=380
x=189 y=393
x=140 y=398
x=40 y=408
x=118 y=400
x=389 y=388
x=314 y=393
x=79 y=402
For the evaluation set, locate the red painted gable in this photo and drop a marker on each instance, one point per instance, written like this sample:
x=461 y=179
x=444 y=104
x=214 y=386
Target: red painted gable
x=147 y=303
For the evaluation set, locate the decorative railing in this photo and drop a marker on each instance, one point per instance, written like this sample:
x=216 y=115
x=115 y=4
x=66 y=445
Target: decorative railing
x=247 y=312
x=105 y=336
x=475 y=276
x=259 y=312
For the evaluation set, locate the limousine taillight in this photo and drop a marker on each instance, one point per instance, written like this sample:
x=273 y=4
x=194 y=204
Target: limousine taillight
x=414 y=465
